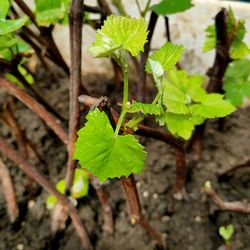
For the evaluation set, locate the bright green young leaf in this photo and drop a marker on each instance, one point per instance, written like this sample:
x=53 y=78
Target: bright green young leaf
x=187 y=104
x=210 y=41
x=166 y=7
x=104 y=155
x=80 y=185
x=7 y=41
x=174 y=99
x=144 y=108
x=237 y=81
x=5 y=5
x=189 y=85
x=226 y=232
x=212 y=106
x=239 y=50
x=51 y=202
x=120 y=32
x=8 y=26
x=182 y=125
x=49 y=11
x=167 y=56
x=79 y=189
x=13 y=79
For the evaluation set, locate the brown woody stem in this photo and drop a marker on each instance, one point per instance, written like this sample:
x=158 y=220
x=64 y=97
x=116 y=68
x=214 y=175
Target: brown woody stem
x=75 y=20
x=108 y=225
x=136 y=216
x=29 y=101
x=9 y=192
x=235 y=206
x=27 y=168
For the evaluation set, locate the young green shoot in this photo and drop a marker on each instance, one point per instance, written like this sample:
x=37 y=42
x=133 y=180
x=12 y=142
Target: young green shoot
x=226 y=232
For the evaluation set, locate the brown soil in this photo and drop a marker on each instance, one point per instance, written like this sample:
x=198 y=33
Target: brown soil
x=193 y=225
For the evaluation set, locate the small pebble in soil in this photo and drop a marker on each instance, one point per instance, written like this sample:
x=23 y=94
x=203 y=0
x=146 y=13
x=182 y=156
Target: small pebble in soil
x=145 y=194
x=197 y=218
x=155 y=196
x=31 y=204
x=20 y=246
x=165 y=218
x=138 y=184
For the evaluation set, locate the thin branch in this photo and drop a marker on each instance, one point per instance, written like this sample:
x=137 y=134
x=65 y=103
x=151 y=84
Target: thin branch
x=29 y=101
x=9 y=192
x=28 y=169
x=166 y=19
x=25 y=8
x=8 y=117
x=92 y=9
x=222 y=59
x=12 y=67
x=136 y=216
x=228 y=173
x=108 y=225
x=141 y=90
x=75 y=20
x=235 y=206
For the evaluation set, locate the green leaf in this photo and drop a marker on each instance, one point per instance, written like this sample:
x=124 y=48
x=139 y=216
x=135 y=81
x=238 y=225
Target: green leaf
x=182 y=125
x=212 y=106
x=190 y=86
x=239 y=50
x=49 y=11
x=80 y=185
x=79 y=188
x=7 y=41
x=51 y=202
x=237 y=81
x=29 y=78
x=167 y=56
x=226 y=232
x=166 y=7
x=5 y=5
x=8 y=26
x=120 y=32
x=104 y=155
x=174 y=99
x=144 y=108
x=210 y=41
x=13 y=79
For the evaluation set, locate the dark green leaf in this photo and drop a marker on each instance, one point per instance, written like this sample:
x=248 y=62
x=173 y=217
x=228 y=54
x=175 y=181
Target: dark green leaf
x=166 y=7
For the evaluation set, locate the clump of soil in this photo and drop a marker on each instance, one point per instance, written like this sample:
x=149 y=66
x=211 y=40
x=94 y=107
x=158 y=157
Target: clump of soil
x=193 y=225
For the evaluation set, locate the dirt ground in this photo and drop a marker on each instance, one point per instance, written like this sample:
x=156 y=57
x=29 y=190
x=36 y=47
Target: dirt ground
x=193 y=225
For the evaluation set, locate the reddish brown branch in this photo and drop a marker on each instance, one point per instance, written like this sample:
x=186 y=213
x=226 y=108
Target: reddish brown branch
x=29 y=101
x=28 y=169
x=75 y=19
x=136 y=216
x=232 y=170
x=236 y=206
x=108 y=225
x=8 y=117
x=9 y=192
